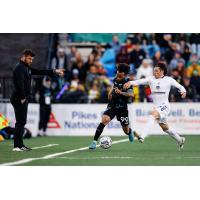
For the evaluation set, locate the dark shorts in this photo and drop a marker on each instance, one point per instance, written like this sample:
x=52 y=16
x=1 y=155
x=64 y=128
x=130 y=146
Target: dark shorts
x=121 y=115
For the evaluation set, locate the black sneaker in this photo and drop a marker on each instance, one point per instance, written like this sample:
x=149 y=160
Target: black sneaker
x=24 y=148
x=20 y=149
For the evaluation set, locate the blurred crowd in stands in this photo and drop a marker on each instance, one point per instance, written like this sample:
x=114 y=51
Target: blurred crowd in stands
x=88 y=81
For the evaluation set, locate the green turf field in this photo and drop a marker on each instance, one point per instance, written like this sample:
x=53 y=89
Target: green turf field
x=157 y=150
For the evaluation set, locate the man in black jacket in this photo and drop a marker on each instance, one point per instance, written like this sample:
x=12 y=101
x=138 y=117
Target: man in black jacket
x=20 y=96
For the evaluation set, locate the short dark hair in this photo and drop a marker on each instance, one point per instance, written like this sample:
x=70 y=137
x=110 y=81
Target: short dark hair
x=123 y=67
x=28 y=52
x=162 y=66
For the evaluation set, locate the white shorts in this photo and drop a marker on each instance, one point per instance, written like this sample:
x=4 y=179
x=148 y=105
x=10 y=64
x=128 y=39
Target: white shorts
x=164 y=111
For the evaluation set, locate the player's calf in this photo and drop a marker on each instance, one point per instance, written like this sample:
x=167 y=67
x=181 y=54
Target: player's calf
x=98 y=133
x=105 y=119
x=128 y=131
x=172 y=133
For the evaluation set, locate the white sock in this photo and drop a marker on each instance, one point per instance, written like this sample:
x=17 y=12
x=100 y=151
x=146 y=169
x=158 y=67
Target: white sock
x=171 y=132
x=148 y=126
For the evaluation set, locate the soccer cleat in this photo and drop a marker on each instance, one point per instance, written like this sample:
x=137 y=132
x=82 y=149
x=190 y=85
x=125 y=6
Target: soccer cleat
x=139 y=138
x=93 y=145
x=131 y=137
x=181 y=144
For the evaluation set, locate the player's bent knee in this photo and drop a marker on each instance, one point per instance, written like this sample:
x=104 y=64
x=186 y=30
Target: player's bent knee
x=164 y=127
x=105 y=120
x=154 y=114
x=126 y=129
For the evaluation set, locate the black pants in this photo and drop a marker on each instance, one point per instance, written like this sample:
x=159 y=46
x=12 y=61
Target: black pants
x=21 y=118
x=45 y=111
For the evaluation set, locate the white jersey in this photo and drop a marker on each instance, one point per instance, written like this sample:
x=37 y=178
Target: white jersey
x=160 y=88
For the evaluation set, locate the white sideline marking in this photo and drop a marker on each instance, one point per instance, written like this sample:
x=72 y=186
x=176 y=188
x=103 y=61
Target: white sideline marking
x=94 y=158
x=135 y=157
x=23 y=161
x=80 y=149
x=49 y=145
x=40 y=147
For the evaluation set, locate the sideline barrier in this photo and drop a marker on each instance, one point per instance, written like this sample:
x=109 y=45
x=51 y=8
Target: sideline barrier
x=82 y=119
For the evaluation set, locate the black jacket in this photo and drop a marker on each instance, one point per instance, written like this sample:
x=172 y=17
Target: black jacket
x=22 y=79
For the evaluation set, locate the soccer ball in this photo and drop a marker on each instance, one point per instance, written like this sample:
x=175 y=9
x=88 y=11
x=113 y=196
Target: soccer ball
x=105 y=142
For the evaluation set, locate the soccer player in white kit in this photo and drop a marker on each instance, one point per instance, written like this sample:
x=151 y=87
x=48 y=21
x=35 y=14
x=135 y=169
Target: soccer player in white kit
x=160 y=85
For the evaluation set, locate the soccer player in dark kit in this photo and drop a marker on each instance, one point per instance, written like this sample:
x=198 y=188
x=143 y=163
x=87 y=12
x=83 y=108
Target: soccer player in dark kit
x=20 y=96
x=117 y=106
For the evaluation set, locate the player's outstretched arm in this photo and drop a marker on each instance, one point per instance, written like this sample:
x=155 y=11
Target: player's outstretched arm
x=181 y=89
x=128 y=93
x=142 y=81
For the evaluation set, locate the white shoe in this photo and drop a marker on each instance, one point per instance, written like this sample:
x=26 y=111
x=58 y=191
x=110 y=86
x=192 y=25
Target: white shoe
x=17 y=149
x=44 y=133
x=181 y=144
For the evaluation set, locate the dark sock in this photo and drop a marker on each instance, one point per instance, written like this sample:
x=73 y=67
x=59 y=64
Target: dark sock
x=99 y=131
x=130 y=130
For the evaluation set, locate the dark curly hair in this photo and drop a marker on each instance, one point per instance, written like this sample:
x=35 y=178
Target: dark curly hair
x=123 y=67
x=28 y=52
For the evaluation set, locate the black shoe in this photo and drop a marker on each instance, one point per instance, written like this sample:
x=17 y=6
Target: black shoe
x=20 y=149
x=26 y=148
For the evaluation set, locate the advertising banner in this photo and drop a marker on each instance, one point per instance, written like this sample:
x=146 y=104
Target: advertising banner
x=82 y=119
